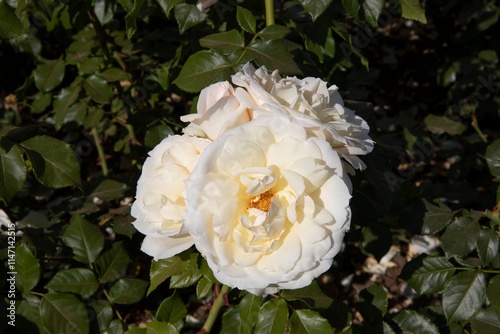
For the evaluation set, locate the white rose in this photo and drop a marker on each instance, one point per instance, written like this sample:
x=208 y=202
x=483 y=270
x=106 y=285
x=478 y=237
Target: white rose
x=160 y=203
x=320 y=109
x=267 y=206
x=218 y=111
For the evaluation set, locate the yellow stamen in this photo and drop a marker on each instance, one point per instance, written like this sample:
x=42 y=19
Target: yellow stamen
x=261 y=201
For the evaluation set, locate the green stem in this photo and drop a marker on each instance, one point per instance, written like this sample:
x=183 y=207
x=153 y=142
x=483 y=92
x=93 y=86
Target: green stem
x=100 y=150
x=218 y=302
x=475 y=125
x=269 y=12
x=490 y=271
x=109 y=300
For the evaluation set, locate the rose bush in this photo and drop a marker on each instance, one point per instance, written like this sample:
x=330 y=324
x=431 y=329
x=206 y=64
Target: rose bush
x=160 y=203
x=267 y=206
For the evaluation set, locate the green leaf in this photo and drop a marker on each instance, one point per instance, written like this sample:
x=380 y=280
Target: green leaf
x=413 y=322
x=115 y=327
x=114 y=74
x=203 y=288
x=10 y=26
x=312 y=295
x=54 y=162
x=109 y=190
x=436 y=218
x=376 y=296
x=274 y=31
x=156 y=134
x=368 y=10
x=493 y=158
x=128 y=291
x=200 y=70
x=29 y=309
x=63 y=102
x=164 y=268
x=249 y=309
x=49 y=75
x=12 y=169
x=27 y=268
x=104 y=10
x=81 y=281
x=440 y=124
x=460 y=237
x=113 y=263
x=310 y=322
x=274 y=55
x=167 y=5
x=94 y=116
x=225 y=42
x=98 y=89
x=486 y=321
x=377 y=239
x=272 y=317
x=428 y=274
x=156 y=327
x=231 y=322
x=493 y=291
x=187 y=16
x=40 y=103
x=189 y=276
x=131 y=17
x=172 y=310
x=137 y=330
x=487 y=245
x=63 y=313
x=84 y=238
x=123 y=225
x=104 y=313
x=315 y=7
x=412 y=10
x=464 y=296
x=246 y=20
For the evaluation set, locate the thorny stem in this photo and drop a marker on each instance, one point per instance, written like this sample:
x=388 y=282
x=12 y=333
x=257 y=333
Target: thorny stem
x=104 y=164
x=214 y=311
x=269 y=12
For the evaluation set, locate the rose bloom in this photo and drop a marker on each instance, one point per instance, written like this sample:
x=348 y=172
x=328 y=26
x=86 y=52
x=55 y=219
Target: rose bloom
x=268 y=206
x=160 y=203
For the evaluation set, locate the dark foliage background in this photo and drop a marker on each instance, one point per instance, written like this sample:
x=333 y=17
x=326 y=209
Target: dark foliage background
x=89 y=87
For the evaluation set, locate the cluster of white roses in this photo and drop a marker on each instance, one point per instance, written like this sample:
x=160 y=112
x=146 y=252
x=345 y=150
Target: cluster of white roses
x=256 y=181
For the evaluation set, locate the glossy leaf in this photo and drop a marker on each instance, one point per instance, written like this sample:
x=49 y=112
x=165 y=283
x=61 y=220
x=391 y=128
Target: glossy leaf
x=81 y=281
x=412 y=10
x=63 y=102
x=493 y=291
x=246 y=20
x=85 y=238
x=272 y=317
x=156 y=327
x=249 y=309
x=114 y=74
x=493 y=158
x=12 y=169
x=63 y=313
x=440 y=124
x=274 y=31
x=189 y=276
x=128 y=291
x=413 y=322
x=187 y=16
x=376 y=296
x=168 y=5
x=312 y=295
x=368 y=10
x=104 y=313
x=486 y=321
x=273 y=55
x=54 y=162
x=464 y=296
x=28 y=314
x=104 y=10
x=109 y=190
x=172 y=310
x=49 y=75
x=308 y=321
x=40 y=103
x=115 y=327
x=231 y=322
x=487 y=245
x=200 y=70
x=465 y=230
x=10 y=26
x=436 y=218
x=98 y=89
x=428 y=274
x=165 y=268
x=225 y=42
x=203 y=288
x=113 y=263
x=156 y=134
x=27 y=268
x=131 y=17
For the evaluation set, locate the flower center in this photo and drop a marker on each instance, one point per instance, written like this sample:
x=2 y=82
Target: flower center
x=261 y=201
